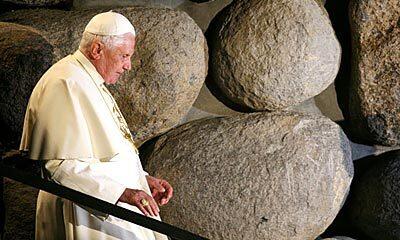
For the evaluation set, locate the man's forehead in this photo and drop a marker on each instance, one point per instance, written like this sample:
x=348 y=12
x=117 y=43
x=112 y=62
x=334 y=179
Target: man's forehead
x=127 y=46
x=130 y=36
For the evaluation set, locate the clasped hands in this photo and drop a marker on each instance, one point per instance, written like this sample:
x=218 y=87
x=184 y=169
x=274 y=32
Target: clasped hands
x=161 y=192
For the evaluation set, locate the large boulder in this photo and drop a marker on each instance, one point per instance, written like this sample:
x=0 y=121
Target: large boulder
x=20 y=208
x=24 y=56
x=268 y=55
x=375 y=88
x=168 y=67
x=254 y=176
x=38 y=3
x=93 y=4
x=375 y=203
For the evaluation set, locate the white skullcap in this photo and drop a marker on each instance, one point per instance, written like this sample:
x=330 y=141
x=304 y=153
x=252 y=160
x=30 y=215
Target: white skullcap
x=109 y=23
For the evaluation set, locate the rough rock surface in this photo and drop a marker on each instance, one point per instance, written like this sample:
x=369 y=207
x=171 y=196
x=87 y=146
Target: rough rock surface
x=96 y=4
x=273 y=54
x=24 y=56
x=20 y=205
x=375 y=88
x=37 y=3
x=374 y=204
x=168 y=68
x=254 y=176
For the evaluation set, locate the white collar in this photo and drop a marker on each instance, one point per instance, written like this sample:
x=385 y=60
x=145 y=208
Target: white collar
x=89 y=67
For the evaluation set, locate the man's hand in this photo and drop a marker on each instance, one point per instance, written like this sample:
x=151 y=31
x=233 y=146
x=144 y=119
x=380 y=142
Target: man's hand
x=160 y=189
x=141 y=200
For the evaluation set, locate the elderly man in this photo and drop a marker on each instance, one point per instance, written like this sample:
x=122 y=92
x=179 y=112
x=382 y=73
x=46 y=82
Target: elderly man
x=73 y=123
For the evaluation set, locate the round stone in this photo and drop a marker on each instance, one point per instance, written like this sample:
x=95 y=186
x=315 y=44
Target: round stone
x=254 y=176
x=269 y=55
x=20 y=218
x=24 y=56
x=375 y=87
x=168 y=67
x=38 y=3
x=374 y=204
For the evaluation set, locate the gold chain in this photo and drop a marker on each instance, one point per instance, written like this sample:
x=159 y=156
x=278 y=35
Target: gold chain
x=123 y=126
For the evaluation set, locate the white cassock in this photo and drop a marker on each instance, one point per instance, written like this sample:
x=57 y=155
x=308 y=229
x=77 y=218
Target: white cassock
x=73 y=122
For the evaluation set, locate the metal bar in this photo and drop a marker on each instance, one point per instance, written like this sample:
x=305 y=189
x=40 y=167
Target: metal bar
x=96 y=204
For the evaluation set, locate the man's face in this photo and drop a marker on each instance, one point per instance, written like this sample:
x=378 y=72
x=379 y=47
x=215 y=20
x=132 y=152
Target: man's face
x=116 y=60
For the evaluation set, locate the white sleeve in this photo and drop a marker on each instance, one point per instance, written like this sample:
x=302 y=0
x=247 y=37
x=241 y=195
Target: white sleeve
x=90 y=178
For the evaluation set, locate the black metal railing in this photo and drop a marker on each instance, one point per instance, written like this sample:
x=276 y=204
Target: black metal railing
x=27 y=172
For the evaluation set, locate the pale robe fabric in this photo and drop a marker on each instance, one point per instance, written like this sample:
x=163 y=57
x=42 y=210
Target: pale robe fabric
x=73 y=122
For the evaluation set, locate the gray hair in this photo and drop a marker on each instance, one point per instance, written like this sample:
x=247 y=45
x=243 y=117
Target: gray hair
x=108 y=41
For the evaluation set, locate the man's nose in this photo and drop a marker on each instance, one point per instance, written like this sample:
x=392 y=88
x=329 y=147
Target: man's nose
x=127 y=66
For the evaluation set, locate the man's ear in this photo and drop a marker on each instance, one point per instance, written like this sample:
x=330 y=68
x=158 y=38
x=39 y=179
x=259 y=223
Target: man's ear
x=96 y=50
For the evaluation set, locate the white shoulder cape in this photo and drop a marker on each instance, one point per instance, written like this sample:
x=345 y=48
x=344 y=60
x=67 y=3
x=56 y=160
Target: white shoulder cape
x=67 y=116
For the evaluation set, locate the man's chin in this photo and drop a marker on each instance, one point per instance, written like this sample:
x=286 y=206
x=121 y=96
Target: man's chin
x=111 y=81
